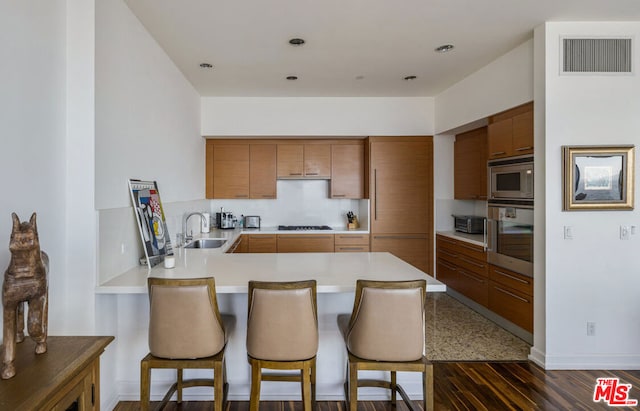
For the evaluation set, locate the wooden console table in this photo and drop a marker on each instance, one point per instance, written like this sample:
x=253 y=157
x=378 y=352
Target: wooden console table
x=67 y=376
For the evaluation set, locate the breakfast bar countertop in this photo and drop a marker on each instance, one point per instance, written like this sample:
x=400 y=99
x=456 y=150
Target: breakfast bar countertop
x=334 y=272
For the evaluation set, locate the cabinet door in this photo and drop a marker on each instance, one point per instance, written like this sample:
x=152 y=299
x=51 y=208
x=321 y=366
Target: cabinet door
x=511 y=304
x=347 y=171
x=261 y=244
x=411 y=248
x=262 y=171
x=290 y=160
x=401 y=189
x=470 y=165
x=474 y=286
x=317 y=160
x=305 y=243
x=523 y=134
x=499 y=138
x=231 y=171
x=447 y=273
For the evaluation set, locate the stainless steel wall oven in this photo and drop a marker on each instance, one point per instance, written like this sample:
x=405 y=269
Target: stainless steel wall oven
x=510 y=237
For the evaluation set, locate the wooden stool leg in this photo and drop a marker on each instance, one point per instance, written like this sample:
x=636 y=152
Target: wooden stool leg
x=256 y=377
x=313 y=383
x=306 y=386
x=179 y=384
x=145 y=382
x=218 y=385
x=393 y=388
x=427 y=379
x=353 y=386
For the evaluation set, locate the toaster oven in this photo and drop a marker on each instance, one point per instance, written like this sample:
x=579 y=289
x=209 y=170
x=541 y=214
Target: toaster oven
x=251 y=221
x=469 y=224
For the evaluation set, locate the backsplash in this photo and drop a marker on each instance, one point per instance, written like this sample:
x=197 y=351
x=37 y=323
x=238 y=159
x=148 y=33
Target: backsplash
x=446 y=207
x=299 y=202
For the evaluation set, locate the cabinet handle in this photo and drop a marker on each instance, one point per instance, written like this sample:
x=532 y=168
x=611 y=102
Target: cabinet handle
x=401 y=237
x=447 y=240
x=448 y=253
x=311 y=174
x=471 y=276
x=295 y=174
x=517 y=297
x=351 y=248
x=242 y=195
x=468 y=247
x=471 y=262
x=497 y=153
x=268 y=196
x=524 y=148
x=375 y=193
x=350 y=236
x=512 y=277
x=315 y=237
x=450 y=267
x=339 y=195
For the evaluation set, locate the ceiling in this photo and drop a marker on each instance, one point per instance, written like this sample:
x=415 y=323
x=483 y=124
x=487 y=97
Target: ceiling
x=361 y=48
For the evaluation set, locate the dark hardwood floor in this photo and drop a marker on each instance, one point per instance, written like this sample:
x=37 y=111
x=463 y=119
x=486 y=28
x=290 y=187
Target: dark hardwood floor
x=474 y=386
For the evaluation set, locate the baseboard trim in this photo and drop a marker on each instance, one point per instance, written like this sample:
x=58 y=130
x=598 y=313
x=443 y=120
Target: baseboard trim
x=591 y=362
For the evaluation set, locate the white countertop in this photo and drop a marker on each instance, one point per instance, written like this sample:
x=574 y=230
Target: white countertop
x=477 y=239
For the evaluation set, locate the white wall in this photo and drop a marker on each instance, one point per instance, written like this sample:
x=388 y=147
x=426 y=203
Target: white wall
x=504 y=83
x=147 y=114
x=594 y=277
x=32 y=126
x=340 y=116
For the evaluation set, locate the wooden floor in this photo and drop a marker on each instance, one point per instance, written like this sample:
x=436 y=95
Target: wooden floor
x=475 y=386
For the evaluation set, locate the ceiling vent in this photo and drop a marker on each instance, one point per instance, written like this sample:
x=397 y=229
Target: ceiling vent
x=596 y=55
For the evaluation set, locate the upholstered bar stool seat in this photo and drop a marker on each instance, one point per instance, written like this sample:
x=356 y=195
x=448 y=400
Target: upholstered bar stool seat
x=186 y=331
x=385 y=332
x=282 y=334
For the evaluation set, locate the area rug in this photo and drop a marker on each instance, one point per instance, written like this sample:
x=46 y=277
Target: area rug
x=454 y=332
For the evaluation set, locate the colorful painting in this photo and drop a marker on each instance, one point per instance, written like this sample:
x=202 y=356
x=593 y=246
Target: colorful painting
x=151 y=222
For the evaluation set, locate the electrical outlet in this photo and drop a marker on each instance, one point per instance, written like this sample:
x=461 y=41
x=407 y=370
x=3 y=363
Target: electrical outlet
x=625 y=232
x=591 y=329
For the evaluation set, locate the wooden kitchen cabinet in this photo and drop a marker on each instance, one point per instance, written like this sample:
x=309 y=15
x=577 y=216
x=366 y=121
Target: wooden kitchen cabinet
x=350 y=243
x=262 y=171
x=230 y=171
x=347 y=171
x=511 y=296
x=239 y=246
x=304 y=160
x=305 y=243
x=510 y=133
x=261 y=243
x=463 y=267
x=470 y=165
x=401 y=194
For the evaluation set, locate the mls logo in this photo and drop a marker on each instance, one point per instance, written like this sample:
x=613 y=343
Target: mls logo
x=612 y=392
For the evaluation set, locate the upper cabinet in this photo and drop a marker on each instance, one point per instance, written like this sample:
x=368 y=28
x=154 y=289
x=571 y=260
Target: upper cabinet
x=470 y=165
x=347 y=171
x=304 y=161
x=243 y=168
x=510 y=133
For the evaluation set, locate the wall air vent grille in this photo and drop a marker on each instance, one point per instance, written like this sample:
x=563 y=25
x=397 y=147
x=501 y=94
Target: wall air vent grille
x=596 y=55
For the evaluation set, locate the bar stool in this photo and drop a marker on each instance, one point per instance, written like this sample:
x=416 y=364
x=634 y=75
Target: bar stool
x=385 y=332
x=186 y=331
x=282 y=334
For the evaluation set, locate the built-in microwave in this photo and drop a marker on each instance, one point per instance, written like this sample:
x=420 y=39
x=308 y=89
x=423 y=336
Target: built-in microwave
x=511 y=180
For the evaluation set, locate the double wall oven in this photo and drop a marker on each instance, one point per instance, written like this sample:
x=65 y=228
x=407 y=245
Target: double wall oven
x=510 y=215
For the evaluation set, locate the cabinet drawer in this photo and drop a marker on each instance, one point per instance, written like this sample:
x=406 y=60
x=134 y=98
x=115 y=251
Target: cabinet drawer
x=305 y=243
x=352 y=239
x=511 y=304
x=446 y=243
x=474 y=251
x=511 y=279
x=261 y=244
x=473 y=265
x=447 y=273
x=352 y=248
x=475 y=287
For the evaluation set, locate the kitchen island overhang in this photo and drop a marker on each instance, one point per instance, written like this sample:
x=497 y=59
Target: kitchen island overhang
x=336 y=275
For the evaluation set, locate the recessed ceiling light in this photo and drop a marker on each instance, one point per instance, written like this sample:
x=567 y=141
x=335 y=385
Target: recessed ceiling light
x=410 y=78
x=444 y=48
x=296 y=42
x=206 y=65
x=292 y=78
x=359 y=77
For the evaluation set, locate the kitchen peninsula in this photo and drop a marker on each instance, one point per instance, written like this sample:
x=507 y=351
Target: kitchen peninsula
x=335 y=273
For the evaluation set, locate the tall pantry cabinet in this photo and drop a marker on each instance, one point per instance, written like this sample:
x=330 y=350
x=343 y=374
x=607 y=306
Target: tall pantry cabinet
x=401 y=194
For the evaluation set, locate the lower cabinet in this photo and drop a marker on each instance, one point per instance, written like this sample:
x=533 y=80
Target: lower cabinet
x=261 y=243
x=411 y=248
x=351 y=243
x=511 y=296
x=239 y=246
x=305 y=243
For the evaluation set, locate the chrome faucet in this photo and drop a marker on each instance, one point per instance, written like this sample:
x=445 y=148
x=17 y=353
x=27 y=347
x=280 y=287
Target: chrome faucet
x=189 y=237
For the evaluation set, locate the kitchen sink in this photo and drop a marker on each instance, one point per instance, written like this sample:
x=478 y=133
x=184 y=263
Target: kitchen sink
x=205 y=243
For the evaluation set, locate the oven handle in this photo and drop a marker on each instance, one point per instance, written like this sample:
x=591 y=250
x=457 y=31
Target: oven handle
x=492 y=226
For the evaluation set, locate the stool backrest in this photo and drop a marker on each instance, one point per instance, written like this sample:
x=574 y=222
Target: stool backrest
x=184 y=320
x=282 y=323
x=387 y=322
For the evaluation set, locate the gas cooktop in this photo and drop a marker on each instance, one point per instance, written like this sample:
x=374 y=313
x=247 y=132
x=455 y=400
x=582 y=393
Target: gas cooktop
x=303 y=227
